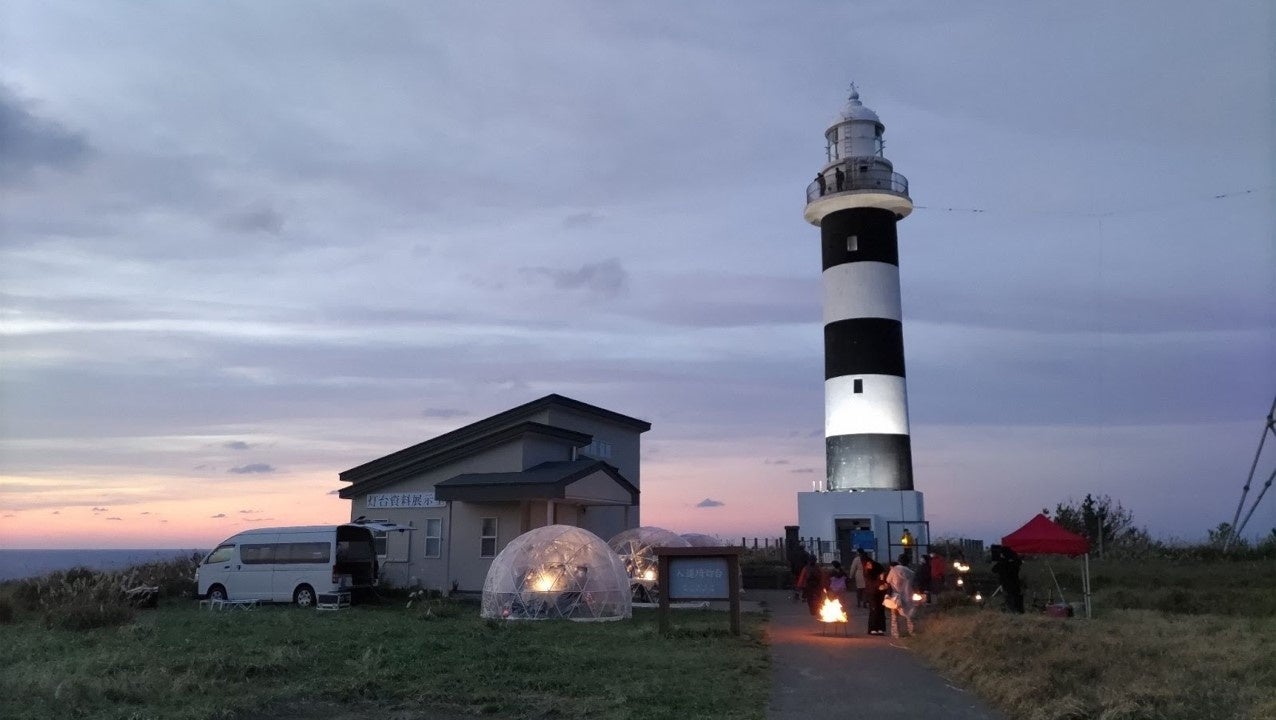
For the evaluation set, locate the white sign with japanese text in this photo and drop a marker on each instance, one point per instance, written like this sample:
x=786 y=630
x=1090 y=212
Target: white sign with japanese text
x=381 y=501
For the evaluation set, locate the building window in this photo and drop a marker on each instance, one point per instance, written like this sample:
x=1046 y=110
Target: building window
x=598 y=449
x=859 y=386
x=434 y=537
x=852 y=243
x=379 y=539
x=487 y=539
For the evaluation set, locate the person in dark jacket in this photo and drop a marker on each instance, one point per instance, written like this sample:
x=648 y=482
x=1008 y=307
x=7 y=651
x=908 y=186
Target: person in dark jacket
x=1005 y=566
x=921 y=576
x=876 y=589
x=812 y=583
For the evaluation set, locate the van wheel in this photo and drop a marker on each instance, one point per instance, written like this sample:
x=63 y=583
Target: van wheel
x=303 y=596
x=217 y=592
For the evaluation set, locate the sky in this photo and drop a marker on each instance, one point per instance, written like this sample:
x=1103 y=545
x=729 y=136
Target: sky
x=245 y=246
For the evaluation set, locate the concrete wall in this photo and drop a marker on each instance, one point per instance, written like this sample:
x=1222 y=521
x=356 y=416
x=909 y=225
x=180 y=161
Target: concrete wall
x=818 y=513
x=626 y=456
x=420 y=570
x=538 y=449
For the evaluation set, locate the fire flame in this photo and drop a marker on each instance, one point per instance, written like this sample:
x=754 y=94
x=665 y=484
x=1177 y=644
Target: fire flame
x=831 y=611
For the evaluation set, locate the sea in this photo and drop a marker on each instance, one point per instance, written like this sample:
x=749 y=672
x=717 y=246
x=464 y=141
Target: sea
x=19 y=564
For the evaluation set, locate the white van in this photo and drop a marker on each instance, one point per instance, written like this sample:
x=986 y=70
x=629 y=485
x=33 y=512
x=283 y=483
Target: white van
x=289 y=564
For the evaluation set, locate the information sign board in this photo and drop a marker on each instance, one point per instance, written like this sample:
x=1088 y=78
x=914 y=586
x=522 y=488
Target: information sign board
x=699 y=573
x=699 y=578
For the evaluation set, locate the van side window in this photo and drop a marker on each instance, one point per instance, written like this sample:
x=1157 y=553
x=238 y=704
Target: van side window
x=308 y=552
x=257 y=554
x=222 y=554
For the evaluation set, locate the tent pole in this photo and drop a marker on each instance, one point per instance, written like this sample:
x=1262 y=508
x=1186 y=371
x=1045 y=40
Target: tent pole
x=1087 y=586
x=1058 y=589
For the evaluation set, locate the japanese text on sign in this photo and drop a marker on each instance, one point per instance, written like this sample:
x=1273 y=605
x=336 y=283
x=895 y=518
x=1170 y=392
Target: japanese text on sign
x=404 y=500
x=699 y=578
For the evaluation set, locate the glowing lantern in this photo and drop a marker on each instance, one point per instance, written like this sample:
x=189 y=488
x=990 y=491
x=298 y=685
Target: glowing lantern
x=918 y=597
x=960 y=582
x=979 y=597
x=543 y=581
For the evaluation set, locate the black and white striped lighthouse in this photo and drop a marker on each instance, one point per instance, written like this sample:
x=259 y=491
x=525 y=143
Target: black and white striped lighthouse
x=856 y=200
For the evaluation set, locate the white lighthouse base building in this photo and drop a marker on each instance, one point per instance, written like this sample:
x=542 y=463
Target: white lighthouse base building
x=883 y=522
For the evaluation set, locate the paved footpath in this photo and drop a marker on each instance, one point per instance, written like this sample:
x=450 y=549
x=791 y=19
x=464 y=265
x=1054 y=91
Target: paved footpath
x=833 y=676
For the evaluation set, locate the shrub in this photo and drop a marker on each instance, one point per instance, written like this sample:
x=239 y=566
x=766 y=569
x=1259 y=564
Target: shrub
x=87 y=616
x=6 y=611
x=952 y=600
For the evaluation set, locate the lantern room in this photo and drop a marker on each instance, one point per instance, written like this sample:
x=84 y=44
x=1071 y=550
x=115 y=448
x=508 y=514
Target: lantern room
x=856 y=133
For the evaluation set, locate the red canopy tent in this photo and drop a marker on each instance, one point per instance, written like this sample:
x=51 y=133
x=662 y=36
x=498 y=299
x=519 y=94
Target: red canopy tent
x=1043 y=536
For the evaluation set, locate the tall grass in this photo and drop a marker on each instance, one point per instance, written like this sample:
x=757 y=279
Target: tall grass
x=1131 y=664
x=1171 y=639
x=81 y=598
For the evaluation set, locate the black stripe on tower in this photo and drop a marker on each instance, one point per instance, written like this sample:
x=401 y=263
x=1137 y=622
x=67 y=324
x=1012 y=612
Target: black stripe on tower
x=875 y=461
x=874 y=233
x=863 y=346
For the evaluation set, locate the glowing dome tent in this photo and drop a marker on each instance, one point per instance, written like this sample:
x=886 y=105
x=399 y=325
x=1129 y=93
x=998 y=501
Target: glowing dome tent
x=702 y=540
x=557 y=571
x=637 y=549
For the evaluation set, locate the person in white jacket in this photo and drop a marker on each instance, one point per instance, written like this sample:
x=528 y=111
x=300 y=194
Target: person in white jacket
x=856 y=572
x=900 y=578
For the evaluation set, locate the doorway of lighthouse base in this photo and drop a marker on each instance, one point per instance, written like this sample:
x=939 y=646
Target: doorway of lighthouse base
x=854 y=533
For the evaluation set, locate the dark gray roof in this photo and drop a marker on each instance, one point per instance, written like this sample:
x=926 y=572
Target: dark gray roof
x=478 y=432
x=547 y=480
x=429 y=455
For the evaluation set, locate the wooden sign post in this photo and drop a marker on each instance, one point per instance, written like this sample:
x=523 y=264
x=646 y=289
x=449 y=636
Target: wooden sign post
x=697 y=574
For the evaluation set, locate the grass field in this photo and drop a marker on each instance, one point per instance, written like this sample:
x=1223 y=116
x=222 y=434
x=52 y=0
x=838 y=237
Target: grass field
x=180 y=662
x=1169 y=641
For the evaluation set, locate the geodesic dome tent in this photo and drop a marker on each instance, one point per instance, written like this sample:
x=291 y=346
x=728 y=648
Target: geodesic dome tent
x=637 y=549
x=557 y=571
x=701 y=540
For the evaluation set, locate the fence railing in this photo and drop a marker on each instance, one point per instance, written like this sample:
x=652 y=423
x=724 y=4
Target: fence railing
x=854 y=180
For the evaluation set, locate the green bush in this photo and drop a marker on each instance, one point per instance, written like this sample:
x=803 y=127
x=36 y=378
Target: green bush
x=87 y=616
x=6 y=611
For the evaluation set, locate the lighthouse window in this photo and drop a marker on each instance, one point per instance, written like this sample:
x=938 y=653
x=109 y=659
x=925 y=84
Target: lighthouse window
x=859 y=386
x=852 y=243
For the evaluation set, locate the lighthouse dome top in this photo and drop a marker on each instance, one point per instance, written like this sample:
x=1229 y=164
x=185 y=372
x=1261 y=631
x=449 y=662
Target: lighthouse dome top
x=855 y=110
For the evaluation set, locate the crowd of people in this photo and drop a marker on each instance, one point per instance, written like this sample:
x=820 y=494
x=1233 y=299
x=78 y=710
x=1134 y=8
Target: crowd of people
x=882 y=590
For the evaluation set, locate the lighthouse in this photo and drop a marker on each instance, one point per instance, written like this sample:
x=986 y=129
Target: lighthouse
x=857 y=200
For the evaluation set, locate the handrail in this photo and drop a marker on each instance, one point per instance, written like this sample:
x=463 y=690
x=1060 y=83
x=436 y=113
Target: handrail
x=854 y=180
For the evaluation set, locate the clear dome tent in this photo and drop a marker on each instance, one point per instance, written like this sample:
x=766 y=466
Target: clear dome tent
x=557 y=571
x=637 y=549
x=702 y=540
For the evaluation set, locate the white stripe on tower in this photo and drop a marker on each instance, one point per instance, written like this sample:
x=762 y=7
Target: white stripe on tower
x=861 y=289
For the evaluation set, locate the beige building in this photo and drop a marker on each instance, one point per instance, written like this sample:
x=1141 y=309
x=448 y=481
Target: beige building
x=465 y=494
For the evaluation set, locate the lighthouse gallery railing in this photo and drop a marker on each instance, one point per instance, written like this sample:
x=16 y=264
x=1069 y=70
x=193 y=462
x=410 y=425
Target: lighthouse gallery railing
x=854 y=180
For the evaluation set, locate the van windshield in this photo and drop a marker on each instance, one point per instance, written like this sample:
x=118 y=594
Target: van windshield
x=222 y=554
